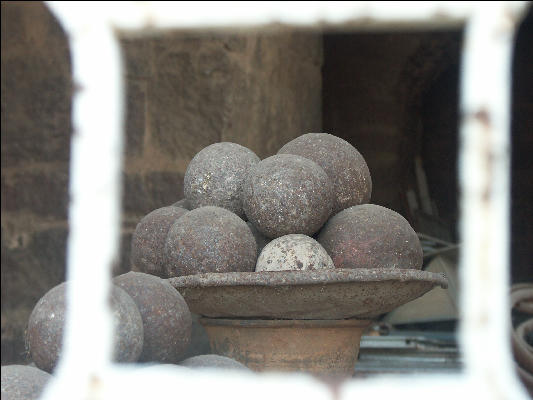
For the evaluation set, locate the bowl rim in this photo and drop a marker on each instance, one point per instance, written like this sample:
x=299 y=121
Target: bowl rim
x=289 y=278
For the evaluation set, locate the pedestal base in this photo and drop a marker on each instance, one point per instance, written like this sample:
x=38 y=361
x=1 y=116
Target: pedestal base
x=323 y=347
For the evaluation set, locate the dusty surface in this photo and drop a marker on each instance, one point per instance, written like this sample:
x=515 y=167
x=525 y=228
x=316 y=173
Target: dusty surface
x=294 y=252
x=331 y=294
x=213 y=361
x=344 y=165
x=286 y=194
x=183 y=203
x=209 y=239
x=260 y=239
x=148 y=240
x=320 y=347
x=47 y=320
x=166 y=317
x=22 y=382
x=216 y=174
x=371 y=236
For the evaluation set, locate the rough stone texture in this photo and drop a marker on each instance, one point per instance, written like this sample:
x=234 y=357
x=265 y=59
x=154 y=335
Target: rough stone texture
x=213 y=361
x=46 y=324
x=36 y=86
x=216 y=174
x=209 y=239
x=343 y=164
x=199 y=339
x=165 y=314
x=286 y=194
x=371 y=236
x=51 y=185
x=183 y=203
x=260 y=239
x=22 y=382
x=148 y=241
x=294 y=253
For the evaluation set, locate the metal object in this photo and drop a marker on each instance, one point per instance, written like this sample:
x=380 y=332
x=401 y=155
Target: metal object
x=285 y=194
x=319 y=347
x=407 y=354
x=345 y=166
x=148 y=240
x=371 y=236
x=22 y=382
x=165 y=315
x=331 y=294
x=209 y=239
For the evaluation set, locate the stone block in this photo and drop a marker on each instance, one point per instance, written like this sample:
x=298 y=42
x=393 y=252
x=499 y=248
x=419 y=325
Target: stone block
x=35 y=86
x=145 y=193
x=41 y=192
x=135 y=123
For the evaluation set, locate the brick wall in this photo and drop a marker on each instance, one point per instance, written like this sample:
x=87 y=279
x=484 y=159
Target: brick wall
x=184 y=92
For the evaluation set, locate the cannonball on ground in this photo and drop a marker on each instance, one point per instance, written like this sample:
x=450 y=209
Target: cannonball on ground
x=294 y=253
x=165 y=314
x=148 y=240
x=209 y=239
x=216 y=174
x=345 y=166
x=286 y=194
x=22 y=382
x=371 y=236
x=47 y=320
x=213 y=361
x=260 y=239
x=183 y=203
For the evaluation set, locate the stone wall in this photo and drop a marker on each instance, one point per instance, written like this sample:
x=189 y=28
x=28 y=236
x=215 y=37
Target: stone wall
x=184 y=92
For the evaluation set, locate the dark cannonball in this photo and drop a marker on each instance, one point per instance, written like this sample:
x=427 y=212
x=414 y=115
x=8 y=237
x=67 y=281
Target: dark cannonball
x=209 y=239
x=371 y=236
x=216 y=174
x=260 y=239
x=183 y=203
x=165 y=314
x=344 y=165
x=286 y=194
x=148 y=240
x=22 y=382
x=47 y=320
x=213 y=361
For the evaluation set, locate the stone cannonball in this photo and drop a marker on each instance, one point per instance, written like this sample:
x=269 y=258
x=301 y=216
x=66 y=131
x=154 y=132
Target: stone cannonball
x=286 y=194
x=260 y=239
x=213 y=361
x=22 y=382
x=165 y=314
x=47 y=320
x=148 y=240
x=371 y=236
x=209 y=239
x=344 y=165
x=294 y=253
x=216 y=174
x=183 y=203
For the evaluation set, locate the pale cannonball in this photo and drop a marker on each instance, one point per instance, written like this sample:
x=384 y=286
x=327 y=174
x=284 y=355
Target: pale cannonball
x=294 y=252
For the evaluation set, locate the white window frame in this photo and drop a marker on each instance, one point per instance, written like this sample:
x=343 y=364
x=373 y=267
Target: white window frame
x=85 y=369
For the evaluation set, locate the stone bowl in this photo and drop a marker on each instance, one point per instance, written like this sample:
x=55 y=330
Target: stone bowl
x=315 y=295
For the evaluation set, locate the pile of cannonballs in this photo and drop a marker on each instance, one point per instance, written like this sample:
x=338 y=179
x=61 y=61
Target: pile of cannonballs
x=304 y=208
x=152 y=324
